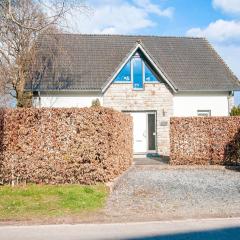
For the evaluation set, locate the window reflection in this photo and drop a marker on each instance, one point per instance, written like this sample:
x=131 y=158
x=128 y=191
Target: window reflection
x=149 y=75
x=125 y=74
x=136 y=71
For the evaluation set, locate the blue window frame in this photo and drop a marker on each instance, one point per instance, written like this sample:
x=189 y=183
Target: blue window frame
x=137 y=68
x=149 y=75
x=125 y=74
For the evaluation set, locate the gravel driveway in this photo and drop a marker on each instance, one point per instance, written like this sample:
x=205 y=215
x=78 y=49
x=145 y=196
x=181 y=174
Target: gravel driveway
x=159 y=192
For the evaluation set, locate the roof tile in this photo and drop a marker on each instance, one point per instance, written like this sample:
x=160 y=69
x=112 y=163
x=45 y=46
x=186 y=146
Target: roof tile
x=191 y=63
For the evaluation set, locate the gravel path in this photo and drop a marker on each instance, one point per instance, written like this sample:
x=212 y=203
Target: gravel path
x=156 y=193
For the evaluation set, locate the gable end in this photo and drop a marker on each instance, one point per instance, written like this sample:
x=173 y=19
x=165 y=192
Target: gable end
x=155 y=66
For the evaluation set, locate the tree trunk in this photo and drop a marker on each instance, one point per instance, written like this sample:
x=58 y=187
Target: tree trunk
x=24 y=99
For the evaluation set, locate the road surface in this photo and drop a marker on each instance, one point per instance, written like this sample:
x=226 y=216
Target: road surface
x=221 y=229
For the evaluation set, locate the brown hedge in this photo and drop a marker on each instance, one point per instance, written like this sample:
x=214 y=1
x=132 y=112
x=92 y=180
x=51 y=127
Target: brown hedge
x=205 y=140
x=78 y=145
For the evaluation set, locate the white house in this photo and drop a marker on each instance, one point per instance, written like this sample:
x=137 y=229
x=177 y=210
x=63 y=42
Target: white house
x=150 y=77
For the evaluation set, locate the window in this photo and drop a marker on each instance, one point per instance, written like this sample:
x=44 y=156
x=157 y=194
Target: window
x=204 y=113
x=125 y=74
x=137 y=73
x=149 y=75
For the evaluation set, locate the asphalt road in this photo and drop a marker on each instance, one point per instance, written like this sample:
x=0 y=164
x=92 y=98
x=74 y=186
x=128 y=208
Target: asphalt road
x=221 y=229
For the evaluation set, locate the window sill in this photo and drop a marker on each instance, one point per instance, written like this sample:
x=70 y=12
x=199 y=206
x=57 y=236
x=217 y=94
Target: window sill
x=152 y=82
x=122 y=82
x=138 y=89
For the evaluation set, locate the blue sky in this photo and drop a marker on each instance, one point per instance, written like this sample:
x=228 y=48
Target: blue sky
x=217 y=20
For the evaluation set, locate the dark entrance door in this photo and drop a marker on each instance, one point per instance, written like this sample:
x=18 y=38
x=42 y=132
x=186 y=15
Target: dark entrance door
x=151 y=131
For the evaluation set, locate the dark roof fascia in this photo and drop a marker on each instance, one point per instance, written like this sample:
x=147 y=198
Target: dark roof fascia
x=209 y=90
x=68 y=91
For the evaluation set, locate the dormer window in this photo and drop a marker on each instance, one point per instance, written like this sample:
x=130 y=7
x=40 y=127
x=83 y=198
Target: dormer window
x=136 y=71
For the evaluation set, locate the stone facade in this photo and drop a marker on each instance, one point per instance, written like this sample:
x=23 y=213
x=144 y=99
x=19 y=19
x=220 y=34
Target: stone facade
x=155 y=97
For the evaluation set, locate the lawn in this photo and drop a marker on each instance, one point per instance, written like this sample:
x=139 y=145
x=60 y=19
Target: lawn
x=36 y=201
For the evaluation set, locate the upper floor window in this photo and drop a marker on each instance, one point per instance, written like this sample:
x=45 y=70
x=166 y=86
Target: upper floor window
x=149 y=75
x=125 y=74
x=136 y=71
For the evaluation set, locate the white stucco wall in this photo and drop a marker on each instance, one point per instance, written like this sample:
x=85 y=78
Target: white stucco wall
x=66 y=100
x=187 y=104
x=184 y=104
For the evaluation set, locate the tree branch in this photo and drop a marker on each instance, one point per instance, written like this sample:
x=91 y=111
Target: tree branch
x=5 y=56
x=38 y=29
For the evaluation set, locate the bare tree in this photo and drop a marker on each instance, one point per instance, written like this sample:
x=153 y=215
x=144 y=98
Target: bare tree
x=22 y=22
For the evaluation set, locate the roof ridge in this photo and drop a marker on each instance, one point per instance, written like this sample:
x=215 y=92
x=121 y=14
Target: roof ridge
x=129 y=35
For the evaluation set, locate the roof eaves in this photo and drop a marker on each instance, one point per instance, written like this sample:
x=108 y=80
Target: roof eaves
x=228 y=89
x=64 y=90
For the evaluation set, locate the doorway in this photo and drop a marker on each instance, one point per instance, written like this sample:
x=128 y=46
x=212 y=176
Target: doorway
x=144 y=132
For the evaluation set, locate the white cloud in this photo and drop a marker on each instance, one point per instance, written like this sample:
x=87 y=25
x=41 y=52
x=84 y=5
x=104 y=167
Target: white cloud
x=153 y=8
x=117 y=17
x=219 y=31
x=230 y=54
x=224 y=36
x=228 y=6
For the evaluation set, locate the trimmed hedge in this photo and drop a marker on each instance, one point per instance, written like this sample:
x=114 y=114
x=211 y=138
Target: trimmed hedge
x=205 y=140
x=56 y=146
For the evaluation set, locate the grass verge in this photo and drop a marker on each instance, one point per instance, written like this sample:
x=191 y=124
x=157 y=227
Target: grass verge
x=36 y=201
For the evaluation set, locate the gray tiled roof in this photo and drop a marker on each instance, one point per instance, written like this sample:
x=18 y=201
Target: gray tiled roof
x=190 y=63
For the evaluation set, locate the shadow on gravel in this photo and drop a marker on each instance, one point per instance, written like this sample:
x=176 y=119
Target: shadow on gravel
x=215 y=234
x=233 y=168
x=162 y=159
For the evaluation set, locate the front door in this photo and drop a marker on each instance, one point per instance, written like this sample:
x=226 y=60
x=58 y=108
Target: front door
x=151 y=123
x=139 y=132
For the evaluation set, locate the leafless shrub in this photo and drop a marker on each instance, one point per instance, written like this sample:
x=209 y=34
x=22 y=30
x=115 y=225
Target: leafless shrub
x=205 y=140
x=78 y=145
